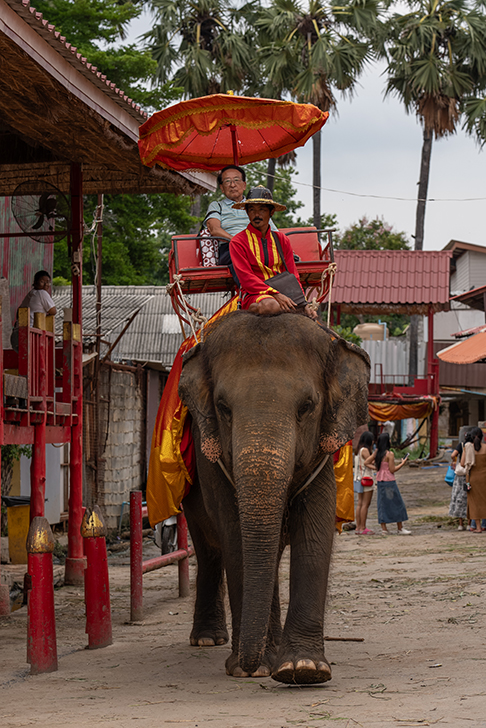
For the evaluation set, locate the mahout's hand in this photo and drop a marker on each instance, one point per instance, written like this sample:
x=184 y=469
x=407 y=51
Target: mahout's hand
x=285 y=303
x=310 y=312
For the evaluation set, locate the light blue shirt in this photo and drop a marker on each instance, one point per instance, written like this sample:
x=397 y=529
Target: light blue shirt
x=231 y=220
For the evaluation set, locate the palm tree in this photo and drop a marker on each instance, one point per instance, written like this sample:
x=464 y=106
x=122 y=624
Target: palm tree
x=436 y=56
x=203 y=47
x=309 y=52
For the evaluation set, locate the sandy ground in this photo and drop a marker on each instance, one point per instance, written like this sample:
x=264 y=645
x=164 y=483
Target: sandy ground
x=418 y=603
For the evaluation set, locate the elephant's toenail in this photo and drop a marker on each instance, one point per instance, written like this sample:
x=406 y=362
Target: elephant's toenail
x=285 y=667
x=305 y=665
x=262 y=671
x=205 y=642
x=238 y=672
x=324 y=667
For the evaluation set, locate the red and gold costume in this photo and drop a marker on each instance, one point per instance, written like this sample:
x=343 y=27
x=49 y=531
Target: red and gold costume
x=255 y=258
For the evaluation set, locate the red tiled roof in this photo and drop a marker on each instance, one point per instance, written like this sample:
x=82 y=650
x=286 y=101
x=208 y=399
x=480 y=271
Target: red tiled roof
x=465 y=352
x=377 y=281
x=48 y=31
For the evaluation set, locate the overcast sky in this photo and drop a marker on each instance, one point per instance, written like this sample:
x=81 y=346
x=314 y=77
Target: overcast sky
x=372 y=148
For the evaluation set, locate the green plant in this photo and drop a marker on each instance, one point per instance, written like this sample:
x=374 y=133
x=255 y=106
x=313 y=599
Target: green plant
x=346 y=332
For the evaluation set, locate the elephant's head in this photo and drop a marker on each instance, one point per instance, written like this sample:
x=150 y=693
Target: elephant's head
x=269 y=395
x=284 y=365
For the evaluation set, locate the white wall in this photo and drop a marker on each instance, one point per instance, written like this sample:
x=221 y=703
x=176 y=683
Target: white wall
x=460 y=318
x=470 y=272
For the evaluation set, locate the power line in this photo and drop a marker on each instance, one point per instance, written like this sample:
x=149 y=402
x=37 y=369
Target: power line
x=386 y=197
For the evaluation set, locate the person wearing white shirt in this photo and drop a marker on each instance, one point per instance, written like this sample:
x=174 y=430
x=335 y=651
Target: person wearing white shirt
x=38 y=300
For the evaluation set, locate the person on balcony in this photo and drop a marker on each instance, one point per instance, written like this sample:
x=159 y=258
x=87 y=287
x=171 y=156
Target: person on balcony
x=39 y=300
x=258 y=254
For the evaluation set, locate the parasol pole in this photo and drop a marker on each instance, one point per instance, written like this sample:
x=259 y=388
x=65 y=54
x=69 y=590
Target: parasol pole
x=234 y=142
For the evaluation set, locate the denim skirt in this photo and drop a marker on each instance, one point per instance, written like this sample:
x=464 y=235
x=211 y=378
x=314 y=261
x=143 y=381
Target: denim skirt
x=391 y=508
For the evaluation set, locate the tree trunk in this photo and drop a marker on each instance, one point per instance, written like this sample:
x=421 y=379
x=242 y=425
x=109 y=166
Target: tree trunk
x=423 y=189
x=419 y=241
x=316 y=179
x=271 y=166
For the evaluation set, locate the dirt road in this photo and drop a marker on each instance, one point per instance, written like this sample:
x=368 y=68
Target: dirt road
x=418 y=602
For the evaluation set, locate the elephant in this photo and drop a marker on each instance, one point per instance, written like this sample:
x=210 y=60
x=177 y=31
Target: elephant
x=271 y=397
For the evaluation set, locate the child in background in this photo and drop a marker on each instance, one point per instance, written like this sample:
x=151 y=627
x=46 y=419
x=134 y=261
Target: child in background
x=363 y=483
x=391 y=508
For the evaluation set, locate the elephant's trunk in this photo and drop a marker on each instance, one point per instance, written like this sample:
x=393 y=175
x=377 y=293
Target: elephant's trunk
x=263 y=468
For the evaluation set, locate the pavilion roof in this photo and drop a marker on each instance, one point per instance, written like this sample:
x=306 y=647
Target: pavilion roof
x=391 y=281
x=57 y=108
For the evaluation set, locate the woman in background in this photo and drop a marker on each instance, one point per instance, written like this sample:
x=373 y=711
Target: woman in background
x=391 y=508
x=363 y=483
x=476 y=479
x=458 y=505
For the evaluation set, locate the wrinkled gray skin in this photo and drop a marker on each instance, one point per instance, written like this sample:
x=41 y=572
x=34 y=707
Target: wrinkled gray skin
x=270 y=396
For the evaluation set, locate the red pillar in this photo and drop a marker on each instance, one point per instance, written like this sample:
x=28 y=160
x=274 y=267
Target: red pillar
x=38 y=472
x=41 y=625
x=4 y=590
x=433 y=385
x=96 y=581
x=183 y=565
x=136 y=557
x=75 y=561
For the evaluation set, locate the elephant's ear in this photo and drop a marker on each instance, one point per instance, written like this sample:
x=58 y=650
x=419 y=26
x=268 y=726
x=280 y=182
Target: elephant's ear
x=347 y=376
x=196 y=392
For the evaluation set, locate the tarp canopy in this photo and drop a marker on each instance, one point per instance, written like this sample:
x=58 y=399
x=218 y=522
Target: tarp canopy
x=391 y=411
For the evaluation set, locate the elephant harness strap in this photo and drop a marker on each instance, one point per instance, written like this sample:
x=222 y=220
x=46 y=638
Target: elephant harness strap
x=309 y=480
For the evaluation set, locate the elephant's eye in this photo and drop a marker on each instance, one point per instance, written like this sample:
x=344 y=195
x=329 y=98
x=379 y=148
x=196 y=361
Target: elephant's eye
x=224 y=410
x=305 y=408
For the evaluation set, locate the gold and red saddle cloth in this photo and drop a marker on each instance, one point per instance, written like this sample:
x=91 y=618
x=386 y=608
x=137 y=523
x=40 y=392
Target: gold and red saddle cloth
x=172 y=461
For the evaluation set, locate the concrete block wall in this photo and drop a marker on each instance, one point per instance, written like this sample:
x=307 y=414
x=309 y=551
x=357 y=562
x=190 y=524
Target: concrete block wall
x=125 y=445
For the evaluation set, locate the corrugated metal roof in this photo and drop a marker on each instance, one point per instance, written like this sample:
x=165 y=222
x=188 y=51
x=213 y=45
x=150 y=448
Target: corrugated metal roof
x=469 y=351
x=376 y=281
x=154 y=335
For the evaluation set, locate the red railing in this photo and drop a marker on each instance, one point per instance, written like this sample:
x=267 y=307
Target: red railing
x=138 y=566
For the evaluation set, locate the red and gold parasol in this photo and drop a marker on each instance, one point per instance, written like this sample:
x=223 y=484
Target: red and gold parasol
x=213 y=131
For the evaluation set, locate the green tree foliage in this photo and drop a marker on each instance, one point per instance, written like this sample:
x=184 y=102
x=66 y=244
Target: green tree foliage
x=371 y=235
x=97 y=28
x=136 y=239
x=436 y=55
x=310 y=51
x=202 y=46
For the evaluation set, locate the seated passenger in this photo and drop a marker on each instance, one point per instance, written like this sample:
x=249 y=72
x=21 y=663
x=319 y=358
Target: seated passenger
x=222 y=219
x=259 y=253
x=38 y=300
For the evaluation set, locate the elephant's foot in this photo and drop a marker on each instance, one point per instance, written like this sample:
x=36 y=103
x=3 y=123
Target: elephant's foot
x=209 y=637
x=233 y=668
x=302 y=671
